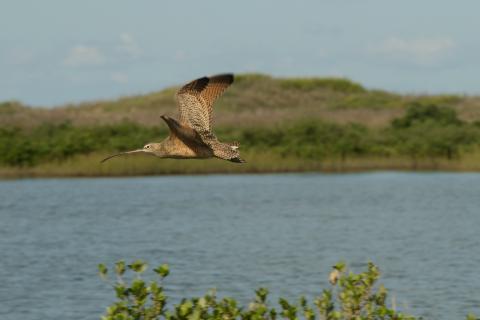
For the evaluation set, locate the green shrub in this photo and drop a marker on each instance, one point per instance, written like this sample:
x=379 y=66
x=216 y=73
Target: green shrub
x=432 y=140
x=352 y=296
x=423 y=132
x=62 y=141
x=432 y=131
x=419 y=113
x=310 y=139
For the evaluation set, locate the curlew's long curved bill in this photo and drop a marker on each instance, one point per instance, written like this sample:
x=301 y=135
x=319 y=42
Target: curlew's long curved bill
x=122 y=153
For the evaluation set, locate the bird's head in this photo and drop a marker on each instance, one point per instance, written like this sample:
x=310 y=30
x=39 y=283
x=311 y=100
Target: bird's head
x=150 y=148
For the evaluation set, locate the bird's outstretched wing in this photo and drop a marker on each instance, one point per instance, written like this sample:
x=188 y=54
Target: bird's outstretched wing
x=195 y=100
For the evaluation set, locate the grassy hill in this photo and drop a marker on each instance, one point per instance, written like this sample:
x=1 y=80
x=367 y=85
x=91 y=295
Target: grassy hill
x=283 y=124
x=253 y=99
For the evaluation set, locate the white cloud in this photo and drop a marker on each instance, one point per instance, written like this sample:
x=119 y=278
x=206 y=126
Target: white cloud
x=419 y=50
x=119 y=77
x=82 y=55
x=129 y=45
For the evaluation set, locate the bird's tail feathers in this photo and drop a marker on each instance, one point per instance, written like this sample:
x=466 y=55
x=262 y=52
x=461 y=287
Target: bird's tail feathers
x=234 y=145
x=238 y=160
x=228 y=151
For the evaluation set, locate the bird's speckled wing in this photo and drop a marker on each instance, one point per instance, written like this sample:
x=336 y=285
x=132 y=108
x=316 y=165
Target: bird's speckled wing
x=196 y=98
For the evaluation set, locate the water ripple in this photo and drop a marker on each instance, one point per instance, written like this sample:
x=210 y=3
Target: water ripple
x=236 y=233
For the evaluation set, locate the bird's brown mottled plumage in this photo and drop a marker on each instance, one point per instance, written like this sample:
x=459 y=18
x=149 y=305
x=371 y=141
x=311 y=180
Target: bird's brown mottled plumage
x=196 y=98
x=192 y=136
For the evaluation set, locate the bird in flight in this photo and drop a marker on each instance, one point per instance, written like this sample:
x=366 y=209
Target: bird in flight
x=191 y=136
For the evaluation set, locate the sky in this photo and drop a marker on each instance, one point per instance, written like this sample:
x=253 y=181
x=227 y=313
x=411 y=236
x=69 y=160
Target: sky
x=54 y=52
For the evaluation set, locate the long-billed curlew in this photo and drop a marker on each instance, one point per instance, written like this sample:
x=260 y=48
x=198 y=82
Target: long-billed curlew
x=192 y=137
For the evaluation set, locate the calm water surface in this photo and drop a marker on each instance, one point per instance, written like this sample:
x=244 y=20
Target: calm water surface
x=236 y=233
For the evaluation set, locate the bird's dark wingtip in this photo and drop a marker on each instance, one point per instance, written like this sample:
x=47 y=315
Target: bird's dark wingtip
x=224 y=77
x=196 y=85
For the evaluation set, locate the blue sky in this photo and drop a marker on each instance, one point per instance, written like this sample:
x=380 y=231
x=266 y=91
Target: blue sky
x=58 y=51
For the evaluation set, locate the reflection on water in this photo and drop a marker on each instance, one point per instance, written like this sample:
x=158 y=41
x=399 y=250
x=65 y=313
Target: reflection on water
x=237 y=233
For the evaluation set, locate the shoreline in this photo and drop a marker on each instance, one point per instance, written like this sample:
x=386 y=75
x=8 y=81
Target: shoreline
x=88 y=166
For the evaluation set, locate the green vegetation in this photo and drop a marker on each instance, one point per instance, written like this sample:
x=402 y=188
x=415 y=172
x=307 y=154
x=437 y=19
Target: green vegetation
x=253 y=100
x=351 y=297
x=334 y=84
x=418 y=114
x=425 y=133
x=293 y=124
x=60 y=142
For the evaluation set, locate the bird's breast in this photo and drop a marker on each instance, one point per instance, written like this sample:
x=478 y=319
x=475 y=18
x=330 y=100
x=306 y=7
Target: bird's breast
x=192 y=150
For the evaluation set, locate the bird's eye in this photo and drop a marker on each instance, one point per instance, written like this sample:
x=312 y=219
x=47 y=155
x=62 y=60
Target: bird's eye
x=147 y=147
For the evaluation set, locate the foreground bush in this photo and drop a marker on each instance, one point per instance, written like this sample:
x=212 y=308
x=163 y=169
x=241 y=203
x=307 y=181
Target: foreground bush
x=352 y=296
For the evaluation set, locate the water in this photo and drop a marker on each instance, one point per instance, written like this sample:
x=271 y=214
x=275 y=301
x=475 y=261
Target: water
x=237 y=233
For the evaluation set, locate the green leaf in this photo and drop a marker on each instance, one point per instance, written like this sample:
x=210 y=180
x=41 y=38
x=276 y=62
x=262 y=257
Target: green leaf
x=262 y=294
x=162 y=270
x=185 y=308
x=471 y=316
x=202 y=303
x=336 y=315
x=273 y=314
x=303 y=301
x=153 y=288
x=102 y=271
x=121 y=291
x=196 y=315
x=121 y=316
x=139 y=291
x=340 y=266
x=138 y=266
x=120 y=267
x=284 y=303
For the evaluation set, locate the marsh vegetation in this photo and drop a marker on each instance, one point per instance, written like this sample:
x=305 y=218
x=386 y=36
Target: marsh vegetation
x=282 y=124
